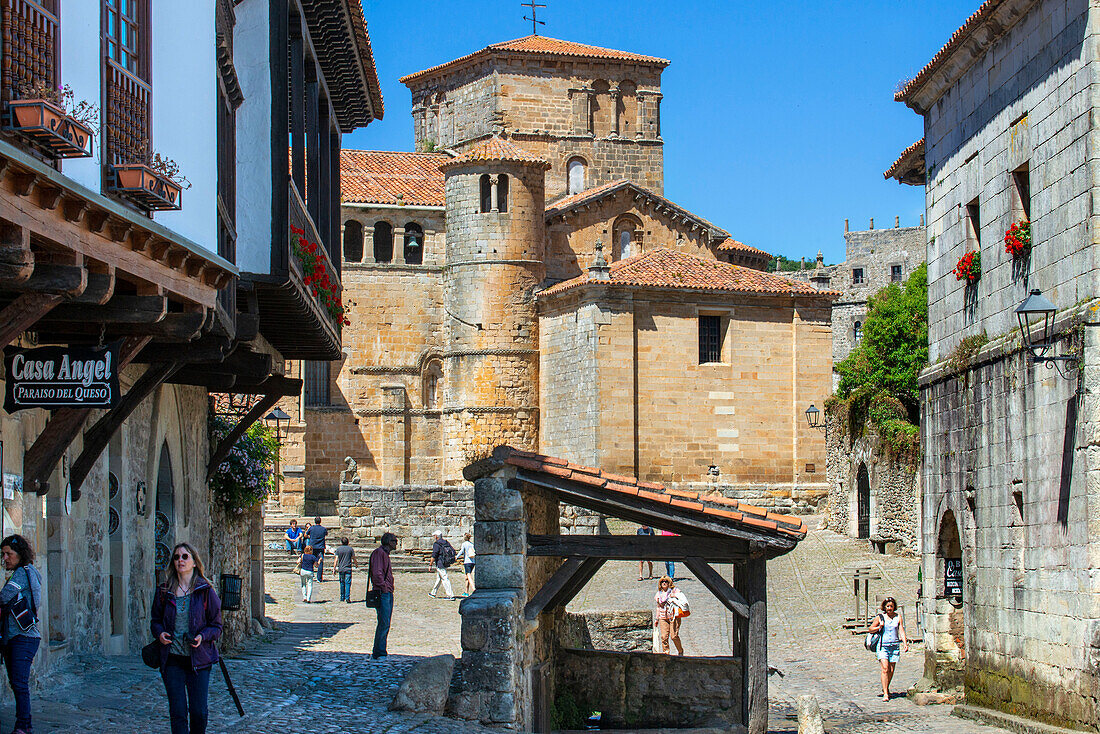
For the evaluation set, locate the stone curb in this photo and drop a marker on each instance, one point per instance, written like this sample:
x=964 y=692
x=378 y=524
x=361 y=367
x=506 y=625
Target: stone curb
x=1000 y=719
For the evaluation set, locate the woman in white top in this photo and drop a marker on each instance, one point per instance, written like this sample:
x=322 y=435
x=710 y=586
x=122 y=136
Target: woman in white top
x=466 y=552
x=889 y=622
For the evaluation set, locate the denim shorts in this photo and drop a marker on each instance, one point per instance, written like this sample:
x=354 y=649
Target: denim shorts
x=890 y=652
x=468 y=567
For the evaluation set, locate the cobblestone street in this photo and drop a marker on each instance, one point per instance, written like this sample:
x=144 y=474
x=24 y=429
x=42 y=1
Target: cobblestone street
x=316 y=670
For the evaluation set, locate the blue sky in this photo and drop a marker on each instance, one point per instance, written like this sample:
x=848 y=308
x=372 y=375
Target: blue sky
x=778 y=117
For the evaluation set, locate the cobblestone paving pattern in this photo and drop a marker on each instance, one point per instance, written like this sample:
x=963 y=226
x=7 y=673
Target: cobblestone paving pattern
x=315 y=674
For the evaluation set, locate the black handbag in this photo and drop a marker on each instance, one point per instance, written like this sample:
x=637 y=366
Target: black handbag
x=150 y=654
x=374 y=596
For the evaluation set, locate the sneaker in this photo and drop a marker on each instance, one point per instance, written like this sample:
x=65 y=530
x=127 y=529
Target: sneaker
x=431 y=595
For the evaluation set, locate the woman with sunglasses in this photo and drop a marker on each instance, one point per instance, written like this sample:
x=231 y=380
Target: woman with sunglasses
x=20 y=599
x=187 y=619
x=666 y=617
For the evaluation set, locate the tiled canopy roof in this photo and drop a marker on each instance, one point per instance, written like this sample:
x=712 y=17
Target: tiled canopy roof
x=390 y=177
x=732 y=245
x=540 y=46
x=909 y=167
x=664 y=268
x=339 y=27
x=495 y=149
x=712 y=509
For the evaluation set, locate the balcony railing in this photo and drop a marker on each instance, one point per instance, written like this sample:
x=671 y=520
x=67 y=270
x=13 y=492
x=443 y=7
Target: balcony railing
x=29 y=47
x=127 y=130
x=299 y=218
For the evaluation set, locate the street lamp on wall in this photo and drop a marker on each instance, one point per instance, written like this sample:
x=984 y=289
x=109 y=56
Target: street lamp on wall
x=278 y=417
x=813 y=417
x=1036 y=317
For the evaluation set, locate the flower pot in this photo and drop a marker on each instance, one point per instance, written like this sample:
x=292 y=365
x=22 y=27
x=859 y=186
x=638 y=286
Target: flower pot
x=145 y=187
x=49 y=128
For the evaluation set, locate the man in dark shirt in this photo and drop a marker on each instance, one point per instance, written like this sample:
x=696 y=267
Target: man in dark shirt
x=345 y=562
x=315 y=536
x=381 y=578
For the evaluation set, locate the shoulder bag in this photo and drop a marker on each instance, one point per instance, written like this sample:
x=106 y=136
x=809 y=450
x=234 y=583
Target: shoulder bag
x=873 y=639
x=150 y=654
x=679 y=603
x=24 y=614
x=374 y=596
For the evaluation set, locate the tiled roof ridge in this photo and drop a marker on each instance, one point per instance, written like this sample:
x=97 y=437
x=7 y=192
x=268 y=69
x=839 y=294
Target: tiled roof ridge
x=530 y=45
x=496 y=149
x=907 y=154
x=731 y=244
x=714 y=505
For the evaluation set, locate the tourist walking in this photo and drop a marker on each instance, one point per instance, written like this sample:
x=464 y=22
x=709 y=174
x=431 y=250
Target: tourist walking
x=466 y=552
x=345 y=562
x=667 y=616
x=443 y=555
x=889 y=622
x=295 y=539
x=186 y=620
x=380 y=575
x=20 y=599
x=306 y=565
x=315 y=536
x=645 y=530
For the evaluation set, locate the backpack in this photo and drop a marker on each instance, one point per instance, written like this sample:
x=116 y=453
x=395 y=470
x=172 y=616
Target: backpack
x=447 y=554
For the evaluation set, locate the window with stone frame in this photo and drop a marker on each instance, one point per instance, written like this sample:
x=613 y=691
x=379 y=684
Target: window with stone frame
x=857 y=276
x=857 y=332
x=895 y=273
x=576 y=172
x=502 y=193
x=353 y=241
x=414 y=244
x=710 y=338
x=973 y=226
x=383 y=242
x=627 y=232
x=315 y=376
x=1021 y=194
x=486 y=193
x=433 y=376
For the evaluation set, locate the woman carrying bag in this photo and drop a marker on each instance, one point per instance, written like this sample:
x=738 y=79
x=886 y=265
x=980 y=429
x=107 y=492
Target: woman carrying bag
x=20 y=599
x=187 y=619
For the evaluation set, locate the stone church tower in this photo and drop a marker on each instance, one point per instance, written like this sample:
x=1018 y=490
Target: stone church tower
x=496 y=233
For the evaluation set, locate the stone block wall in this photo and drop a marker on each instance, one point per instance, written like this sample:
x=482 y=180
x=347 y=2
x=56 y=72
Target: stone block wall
x=615 y=631
x=236 y=547
x=411 y=512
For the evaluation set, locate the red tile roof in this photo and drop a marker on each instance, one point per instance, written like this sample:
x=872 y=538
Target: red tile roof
x=710 y=507
x=541 y=46
x=493 y=150
x=664 y=268
x=391 y=177
x=732 y=245
x=366 y=57
x=909 y=162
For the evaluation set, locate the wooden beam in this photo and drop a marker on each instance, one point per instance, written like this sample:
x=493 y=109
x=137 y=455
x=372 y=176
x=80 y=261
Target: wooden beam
x=638 y=547
x=717 y=585
x=99 y=435
x=755 y=680
x=560 y=588
x=100 y=287
x=118 y=310
x=63 y=426
x=22 y=313
x=66 y=280
x=203 y=351
x=256 y=413
x=16 y=258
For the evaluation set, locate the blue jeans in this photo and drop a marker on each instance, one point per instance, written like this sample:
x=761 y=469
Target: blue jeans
x=18 y=655
x=670 y=569
x=295 y=546
x=188 y=691
x=320 y=568
x=345 y=586
x=382 y=631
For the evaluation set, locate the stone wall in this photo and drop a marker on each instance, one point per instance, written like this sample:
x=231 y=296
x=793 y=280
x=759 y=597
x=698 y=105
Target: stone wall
x=894 y=488
x=648 y=690
x=615 y=631
x=236 y=547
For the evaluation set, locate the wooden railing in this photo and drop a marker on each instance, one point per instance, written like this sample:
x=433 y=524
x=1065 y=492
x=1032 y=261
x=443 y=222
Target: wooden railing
x=127 y=129
x=29 y=47
x=299 y=217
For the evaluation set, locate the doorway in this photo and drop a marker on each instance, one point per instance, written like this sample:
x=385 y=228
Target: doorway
x=863 y=503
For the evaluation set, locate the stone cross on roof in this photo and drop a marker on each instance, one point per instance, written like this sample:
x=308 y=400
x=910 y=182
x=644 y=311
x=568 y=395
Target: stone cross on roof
x=535 y=22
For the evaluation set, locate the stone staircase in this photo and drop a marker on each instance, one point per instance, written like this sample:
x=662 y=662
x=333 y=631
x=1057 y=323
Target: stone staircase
x=278 y=560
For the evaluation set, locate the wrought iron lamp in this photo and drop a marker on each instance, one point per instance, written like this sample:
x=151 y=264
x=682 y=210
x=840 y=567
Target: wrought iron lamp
x=278 y=417
x=813 y=417
x=1036 y=317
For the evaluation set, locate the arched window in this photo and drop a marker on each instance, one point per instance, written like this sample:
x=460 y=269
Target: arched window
x=383 y=242
x=414 y=244
x=857 y=332
x=628 y=236
x=576 y=167
x=502 y=193
x=433 y=375
x=486 y=193
x=353 y=241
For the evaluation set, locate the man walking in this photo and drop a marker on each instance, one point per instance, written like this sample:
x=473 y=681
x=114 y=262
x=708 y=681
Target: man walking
x=648 y=531
x=345 y=561
x=315 y=537
x=443 y=555
x=381 y=578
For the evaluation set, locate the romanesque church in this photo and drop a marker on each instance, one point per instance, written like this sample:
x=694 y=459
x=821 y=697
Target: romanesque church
x=522 y=278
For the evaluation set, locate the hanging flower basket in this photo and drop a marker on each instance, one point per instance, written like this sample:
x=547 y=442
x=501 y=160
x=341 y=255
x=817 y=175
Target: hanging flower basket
x=1018 y=239
x=46 y=125
x=147 y=188
x=969 y=267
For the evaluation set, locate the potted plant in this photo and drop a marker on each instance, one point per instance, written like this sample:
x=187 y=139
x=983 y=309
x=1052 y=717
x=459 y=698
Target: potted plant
x=1018 y=239
x=155 y=184
x=315 y=277
x=969 y=267
x=51 y=119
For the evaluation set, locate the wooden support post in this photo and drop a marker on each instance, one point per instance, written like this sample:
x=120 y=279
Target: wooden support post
x=22 y=313
x=718 y=586
x=238 y=430
x=755 y=662
x=566 y=582
x=63 y=426
x=99 y=435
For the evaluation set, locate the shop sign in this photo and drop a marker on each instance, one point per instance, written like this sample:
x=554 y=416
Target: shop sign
x=61 y=377
x=952 y=577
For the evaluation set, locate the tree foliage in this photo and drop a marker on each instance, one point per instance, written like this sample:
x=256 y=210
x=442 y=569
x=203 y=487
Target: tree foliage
x=246 y=476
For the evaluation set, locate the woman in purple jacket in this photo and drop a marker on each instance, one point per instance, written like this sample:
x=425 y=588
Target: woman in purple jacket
x=187 y=619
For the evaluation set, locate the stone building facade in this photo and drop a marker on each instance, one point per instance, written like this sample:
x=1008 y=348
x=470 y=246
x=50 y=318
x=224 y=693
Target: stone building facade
x=1009 y=460
x=603 y=324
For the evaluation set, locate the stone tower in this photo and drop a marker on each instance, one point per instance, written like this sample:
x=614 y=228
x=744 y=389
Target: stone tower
x=495 y=259
x=594 y=114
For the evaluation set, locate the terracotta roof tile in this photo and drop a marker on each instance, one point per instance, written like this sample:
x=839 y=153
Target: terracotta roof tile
x=664 y=268
x=910 y=161
x=539 y=46
x=757 y=518
x=391 y=177
x=732 y=245
x=366 y=57
x=495 y=149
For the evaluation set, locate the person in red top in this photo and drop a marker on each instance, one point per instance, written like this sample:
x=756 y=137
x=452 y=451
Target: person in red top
x=381 y=577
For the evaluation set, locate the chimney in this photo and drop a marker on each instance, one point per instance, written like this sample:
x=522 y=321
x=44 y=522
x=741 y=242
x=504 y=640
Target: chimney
x=802 y=265
x=897 y=222
x=820 y=259
x=922 y=220
x=845 y=226
x=872 y=222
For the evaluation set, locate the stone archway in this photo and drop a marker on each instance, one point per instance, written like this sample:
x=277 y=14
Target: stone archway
x=863 y=502
x=165 y=516
x=946 y=651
